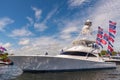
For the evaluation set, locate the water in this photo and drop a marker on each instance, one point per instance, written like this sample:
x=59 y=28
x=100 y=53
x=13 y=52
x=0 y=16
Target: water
x=8 y=72
x=111 y=74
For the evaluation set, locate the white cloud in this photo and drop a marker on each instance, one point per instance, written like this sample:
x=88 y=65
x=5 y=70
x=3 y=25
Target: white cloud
x=4 y=22
x=24 y=42
x=50 y=15
x=74 y=3
x=38 y=12
x=41 y=45
x=40 y=26
x=66 y=34
x=7 y=45
x=20 y=33
x=71 y=30
x=30 y=20
x=104 y=11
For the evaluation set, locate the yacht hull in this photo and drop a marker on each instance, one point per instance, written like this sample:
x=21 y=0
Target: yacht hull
x=49 y=63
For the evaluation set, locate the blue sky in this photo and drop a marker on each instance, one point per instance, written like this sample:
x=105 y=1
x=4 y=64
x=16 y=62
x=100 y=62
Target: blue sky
x=37 y=26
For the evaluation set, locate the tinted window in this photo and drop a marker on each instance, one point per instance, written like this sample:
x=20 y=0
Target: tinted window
x=78 y=54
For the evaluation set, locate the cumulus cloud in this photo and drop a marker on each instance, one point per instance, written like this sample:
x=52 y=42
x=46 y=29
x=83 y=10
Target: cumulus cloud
x=20 y=33
x=4 y=22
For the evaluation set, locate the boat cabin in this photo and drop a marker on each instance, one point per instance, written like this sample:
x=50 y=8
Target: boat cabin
x=82 y=48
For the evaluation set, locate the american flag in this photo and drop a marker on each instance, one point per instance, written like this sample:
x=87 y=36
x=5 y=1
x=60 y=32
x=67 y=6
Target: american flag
x=100 y=29
x=112 y=32
x=103 y=41
x=112 y=27
x=110 y=44
x=106 y=36
x=109 y=52
x=112 y=23
x=110 y=48
x=99 y=43
x=111 y=39
x=99 y=37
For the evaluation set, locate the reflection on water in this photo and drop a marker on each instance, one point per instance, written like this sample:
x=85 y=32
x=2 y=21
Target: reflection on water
x=79 y=75
x=8 y=72
x=14 y=73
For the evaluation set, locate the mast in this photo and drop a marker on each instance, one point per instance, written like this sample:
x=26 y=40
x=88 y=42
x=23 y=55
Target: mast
x=86 y=30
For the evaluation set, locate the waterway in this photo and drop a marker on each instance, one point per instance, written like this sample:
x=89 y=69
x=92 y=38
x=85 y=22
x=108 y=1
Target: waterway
x=14 y=73
x=9 y=72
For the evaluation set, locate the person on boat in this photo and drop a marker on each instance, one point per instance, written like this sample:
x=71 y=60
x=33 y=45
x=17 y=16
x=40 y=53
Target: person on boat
x=61 y=51
x=46 y=53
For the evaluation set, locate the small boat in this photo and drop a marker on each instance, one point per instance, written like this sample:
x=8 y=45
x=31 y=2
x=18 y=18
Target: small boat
x=115 y=59
x=82 y=55
x=5 y=60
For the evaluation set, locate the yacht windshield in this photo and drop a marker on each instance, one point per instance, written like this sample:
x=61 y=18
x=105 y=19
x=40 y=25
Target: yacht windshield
x=79 y=54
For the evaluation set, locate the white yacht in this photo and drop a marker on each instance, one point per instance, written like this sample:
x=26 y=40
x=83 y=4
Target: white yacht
x=82 y=55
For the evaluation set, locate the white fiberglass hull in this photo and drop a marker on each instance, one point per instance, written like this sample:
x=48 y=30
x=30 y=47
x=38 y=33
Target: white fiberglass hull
x=58 y=63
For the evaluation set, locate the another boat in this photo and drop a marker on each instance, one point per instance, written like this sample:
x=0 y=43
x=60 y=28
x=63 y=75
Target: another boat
x=115 y=59
x=6 y=62
x=82 y=55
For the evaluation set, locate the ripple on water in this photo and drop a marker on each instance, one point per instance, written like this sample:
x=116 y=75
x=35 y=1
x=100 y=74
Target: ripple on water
x=8 y=72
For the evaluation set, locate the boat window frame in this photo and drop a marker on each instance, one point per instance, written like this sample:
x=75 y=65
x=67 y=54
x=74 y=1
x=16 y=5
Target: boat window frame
x=77 y=53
